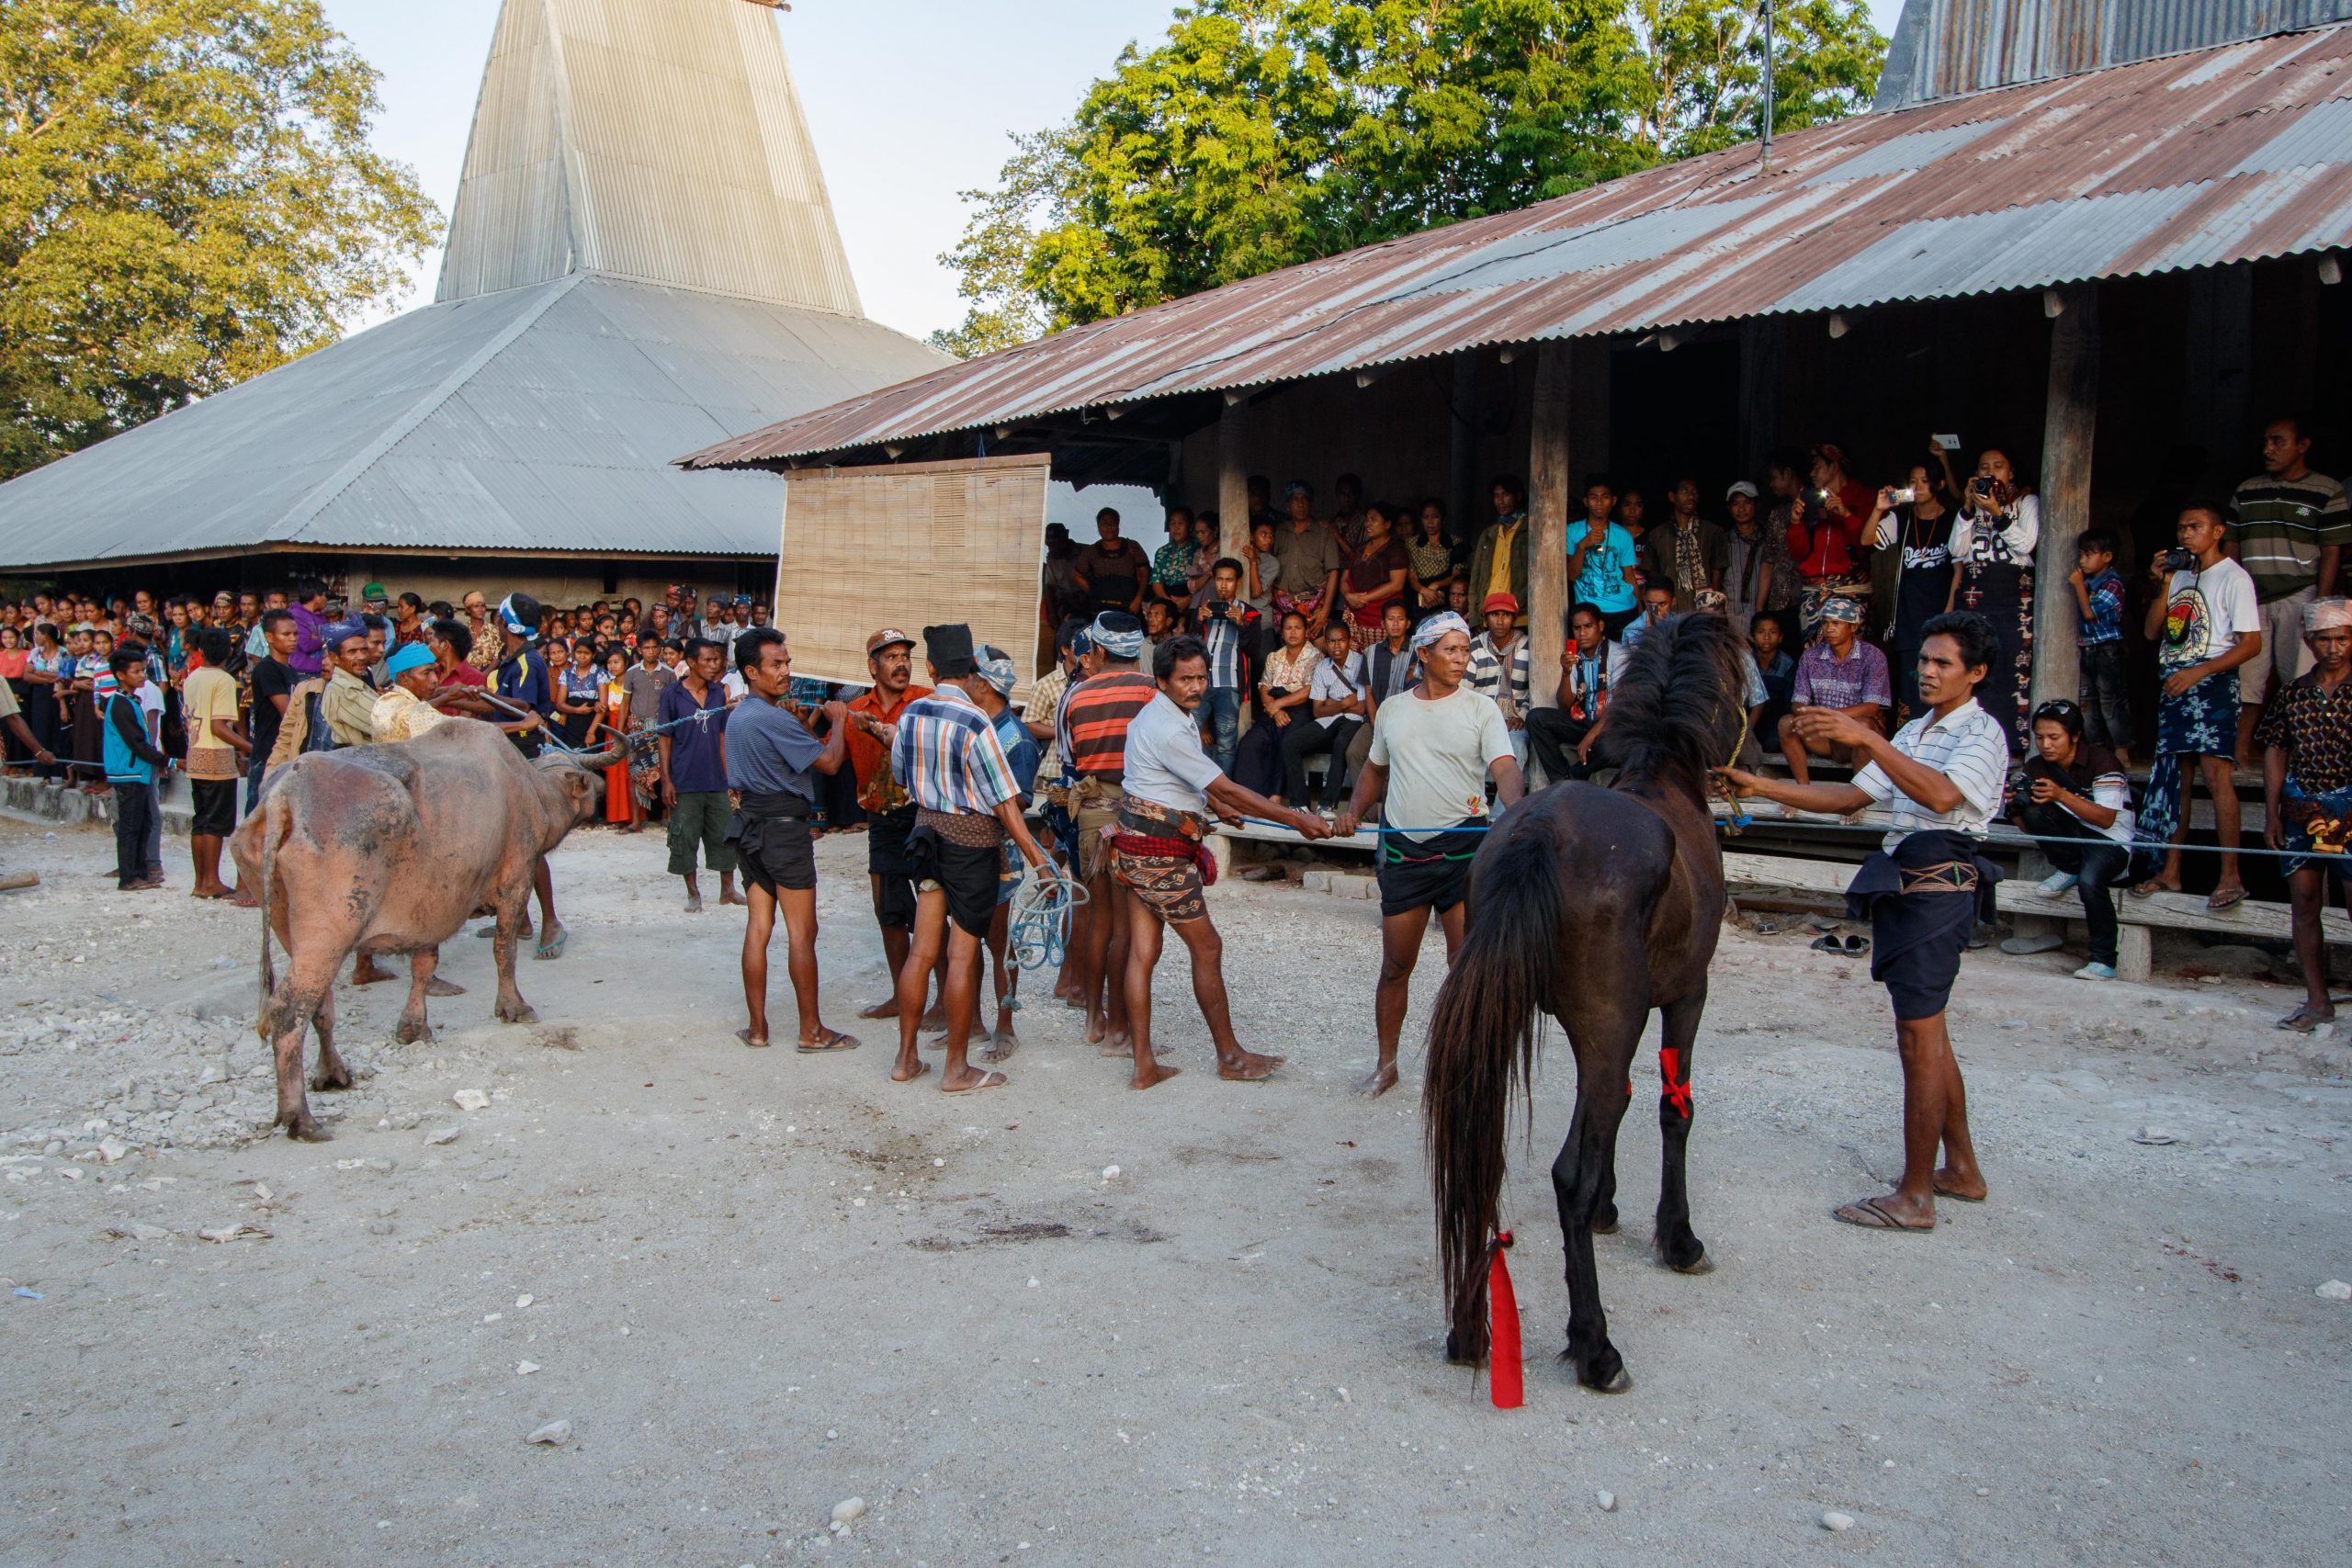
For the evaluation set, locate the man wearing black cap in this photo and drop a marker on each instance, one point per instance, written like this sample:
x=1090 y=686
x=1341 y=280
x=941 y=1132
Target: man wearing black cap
x=967 y=801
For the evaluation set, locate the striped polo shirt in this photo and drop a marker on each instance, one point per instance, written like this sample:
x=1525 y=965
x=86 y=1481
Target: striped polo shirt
x=948 y=757
x=1966 y=746
x=1091 y=728
x=2282 y=525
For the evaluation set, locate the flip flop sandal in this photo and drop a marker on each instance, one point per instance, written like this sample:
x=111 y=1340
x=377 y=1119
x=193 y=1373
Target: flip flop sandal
x=836 y=1041
x=1872 y=1214
x=2224 y=898
x=2300 y=1021
x=545 y=949
x=990 y=1080
x=1828 y=945
x=745 y=1036
x=2148 y=889
x=1857 y=945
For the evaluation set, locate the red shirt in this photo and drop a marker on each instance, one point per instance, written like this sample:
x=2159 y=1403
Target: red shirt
x=1827 y=550
x=866 y=754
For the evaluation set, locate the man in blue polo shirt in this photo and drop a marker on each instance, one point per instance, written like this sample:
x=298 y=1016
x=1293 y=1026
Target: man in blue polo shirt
x=694 y=771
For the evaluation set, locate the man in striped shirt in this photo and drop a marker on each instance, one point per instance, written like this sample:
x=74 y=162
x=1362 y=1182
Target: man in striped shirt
x=1092 y=732
x=2292 y=525
x=946 y=752
x=1942 y=775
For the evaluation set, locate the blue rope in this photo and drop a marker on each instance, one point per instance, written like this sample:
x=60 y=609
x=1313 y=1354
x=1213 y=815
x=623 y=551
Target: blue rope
x=1038 y=932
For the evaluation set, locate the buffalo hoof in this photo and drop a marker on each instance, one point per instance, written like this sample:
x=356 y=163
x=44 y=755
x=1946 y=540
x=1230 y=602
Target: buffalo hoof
x=324 y=1082
x=417 y=1033
x=303 y=1130
x=519 y=1013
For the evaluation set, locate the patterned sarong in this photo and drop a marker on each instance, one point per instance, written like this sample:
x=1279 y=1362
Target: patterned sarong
x=2201 y=722
x=1157 y=852
x=2324 y=840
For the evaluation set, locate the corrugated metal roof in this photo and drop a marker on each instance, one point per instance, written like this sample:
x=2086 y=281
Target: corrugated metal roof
x=654 y=140
x=1944 y=48
x=2195 y=160
x=540 y=418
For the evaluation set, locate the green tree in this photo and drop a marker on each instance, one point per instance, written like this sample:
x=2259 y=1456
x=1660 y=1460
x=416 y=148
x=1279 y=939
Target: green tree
x=1262 y=133
x=187 y=198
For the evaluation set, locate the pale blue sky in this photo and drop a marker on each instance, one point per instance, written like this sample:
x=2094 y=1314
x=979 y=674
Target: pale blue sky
x=909 y=102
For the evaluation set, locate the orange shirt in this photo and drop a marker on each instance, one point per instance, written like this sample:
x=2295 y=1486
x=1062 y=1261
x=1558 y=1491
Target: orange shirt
x=876 y=791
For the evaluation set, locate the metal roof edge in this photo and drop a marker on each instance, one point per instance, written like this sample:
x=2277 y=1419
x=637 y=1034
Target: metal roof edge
x=1942 y=98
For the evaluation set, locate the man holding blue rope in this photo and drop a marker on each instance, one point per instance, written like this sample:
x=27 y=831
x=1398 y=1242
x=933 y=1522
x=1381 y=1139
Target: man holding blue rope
x=1433 y=749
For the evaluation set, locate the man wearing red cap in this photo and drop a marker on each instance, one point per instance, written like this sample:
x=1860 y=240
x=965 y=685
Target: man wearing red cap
x=1498 y=667
x=889 y=809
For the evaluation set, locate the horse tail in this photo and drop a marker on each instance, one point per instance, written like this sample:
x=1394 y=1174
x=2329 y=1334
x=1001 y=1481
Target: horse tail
x=1482 y=1043
x=274 y=825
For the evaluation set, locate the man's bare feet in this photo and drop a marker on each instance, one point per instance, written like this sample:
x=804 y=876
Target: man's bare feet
x=1155 y=1073
x=1119 y=1045
x=1892 y=1212
x=208 y=890
x=732 y=897
x=887 y=1008
x=1247 y=1067
x=1378 y=1081
x=972 y=1082
x=1950 y=1183
x=244 y=900
x=906 y=1072
x=694 y=902
x=1000 y=1046
x=936 y=1019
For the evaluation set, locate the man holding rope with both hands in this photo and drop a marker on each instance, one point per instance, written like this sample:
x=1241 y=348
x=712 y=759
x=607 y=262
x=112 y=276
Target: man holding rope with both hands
x=1433 y=747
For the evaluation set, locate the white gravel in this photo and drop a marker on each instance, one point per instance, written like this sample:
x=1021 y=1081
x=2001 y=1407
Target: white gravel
x=760 y=1284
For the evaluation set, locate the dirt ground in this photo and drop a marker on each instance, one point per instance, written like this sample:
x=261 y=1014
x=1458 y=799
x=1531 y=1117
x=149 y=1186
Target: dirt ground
x=757 y=1284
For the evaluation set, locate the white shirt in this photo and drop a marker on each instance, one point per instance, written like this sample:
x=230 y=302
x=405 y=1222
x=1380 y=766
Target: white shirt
x=2206 y=613
x=1335 y=680
x=1968 y=747
x=1976 y=538
x=1437 y=754
x=1164 y=764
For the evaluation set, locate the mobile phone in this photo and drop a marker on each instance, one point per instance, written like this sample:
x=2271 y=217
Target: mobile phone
x=1949 y=443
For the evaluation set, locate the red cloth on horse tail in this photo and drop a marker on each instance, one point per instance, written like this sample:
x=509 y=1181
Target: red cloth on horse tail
x=1503 y=1374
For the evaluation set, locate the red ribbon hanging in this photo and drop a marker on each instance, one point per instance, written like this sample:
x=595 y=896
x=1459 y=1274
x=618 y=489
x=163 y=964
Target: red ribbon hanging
x=1503 y=1374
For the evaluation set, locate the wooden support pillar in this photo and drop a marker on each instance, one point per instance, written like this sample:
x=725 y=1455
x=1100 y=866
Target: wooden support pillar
x=1547 y=506
x=2069 y=423
x=1233 y=480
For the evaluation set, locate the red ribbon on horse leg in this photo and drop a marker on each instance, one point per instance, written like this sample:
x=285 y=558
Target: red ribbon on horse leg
x=1503 y=1374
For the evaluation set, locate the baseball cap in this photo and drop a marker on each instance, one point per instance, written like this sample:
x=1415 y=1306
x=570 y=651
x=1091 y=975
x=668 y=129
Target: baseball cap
x=1742 y=487
x=884 y=638
x=1495 y=601
x=373 y=594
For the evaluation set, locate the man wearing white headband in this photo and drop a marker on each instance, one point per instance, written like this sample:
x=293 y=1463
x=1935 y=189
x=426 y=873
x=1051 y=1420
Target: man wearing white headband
x=2306 y=736
x=1433 y=750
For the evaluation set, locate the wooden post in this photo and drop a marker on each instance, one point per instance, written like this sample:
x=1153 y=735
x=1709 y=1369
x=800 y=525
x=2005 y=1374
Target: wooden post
x=1547 y=507
x=2069 y=423
x=1232 y=481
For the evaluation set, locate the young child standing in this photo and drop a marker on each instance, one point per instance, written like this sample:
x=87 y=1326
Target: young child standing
x=131 y=764
x=2098 y=597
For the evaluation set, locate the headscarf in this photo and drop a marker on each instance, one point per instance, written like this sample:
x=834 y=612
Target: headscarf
x=2326 y=615
x=1436 y=627
x=1117 y=634
x=1842 y=607
x=341 y=632
x=519 y=613
x=996 y=666
x=408 y=656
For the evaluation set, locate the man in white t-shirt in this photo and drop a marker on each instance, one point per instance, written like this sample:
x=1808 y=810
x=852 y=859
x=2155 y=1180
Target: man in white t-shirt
x=1432 y=750
x=2206 y=625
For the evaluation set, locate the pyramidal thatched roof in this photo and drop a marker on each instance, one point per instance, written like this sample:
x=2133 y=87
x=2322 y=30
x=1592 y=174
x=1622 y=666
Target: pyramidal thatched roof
x=641 y=260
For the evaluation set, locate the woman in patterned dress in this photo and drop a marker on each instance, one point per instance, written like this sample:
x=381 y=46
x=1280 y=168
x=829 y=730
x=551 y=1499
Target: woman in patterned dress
x=2000 y=522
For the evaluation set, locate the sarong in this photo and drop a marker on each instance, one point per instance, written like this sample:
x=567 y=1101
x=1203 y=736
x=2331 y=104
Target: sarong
x=1156 y=852
x=1426 y=873
x=2201 y=722
x=2325 y=839
x=1922 y=900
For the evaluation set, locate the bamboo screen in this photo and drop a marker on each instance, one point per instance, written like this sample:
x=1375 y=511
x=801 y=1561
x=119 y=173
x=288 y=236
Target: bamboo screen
x=907 y=546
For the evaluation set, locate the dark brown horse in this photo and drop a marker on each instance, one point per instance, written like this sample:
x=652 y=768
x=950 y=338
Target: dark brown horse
x=1595 y=905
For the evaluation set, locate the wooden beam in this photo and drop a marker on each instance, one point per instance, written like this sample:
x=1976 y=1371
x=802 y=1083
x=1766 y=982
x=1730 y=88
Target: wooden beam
x=1547 y=506
x=2069 y=424
x=1232 y=481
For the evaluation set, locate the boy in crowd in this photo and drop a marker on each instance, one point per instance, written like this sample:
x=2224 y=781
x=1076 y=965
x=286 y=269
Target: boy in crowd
x=1765 y=636
x=1498 y=667
x=1657 y=603
x=1590 y=664
x=1226 y=624
x=217 y=747
x=131 y=762
x=2209 y=623
x=1696 y=553
x=2099 y=599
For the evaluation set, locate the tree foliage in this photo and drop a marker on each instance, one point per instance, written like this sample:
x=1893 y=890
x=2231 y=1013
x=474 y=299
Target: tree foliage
x=186 y=199
x=1261 y=133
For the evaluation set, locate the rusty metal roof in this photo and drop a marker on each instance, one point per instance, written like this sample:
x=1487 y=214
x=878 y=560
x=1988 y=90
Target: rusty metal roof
x=2228 y=154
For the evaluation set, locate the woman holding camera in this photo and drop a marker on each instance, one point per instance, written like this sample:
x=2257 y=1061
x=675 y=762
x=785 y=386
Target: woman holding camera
x=1916 y=521
x=2000 y=522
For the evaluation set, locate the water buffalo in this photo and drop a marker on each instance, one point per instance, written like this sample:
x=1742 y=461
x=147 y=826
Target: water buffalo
x=390 y=849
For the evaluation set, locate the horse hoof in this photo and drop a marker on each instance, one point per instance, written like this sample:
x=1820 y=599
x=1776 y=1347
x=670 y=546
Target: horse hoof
x=1622 y=1381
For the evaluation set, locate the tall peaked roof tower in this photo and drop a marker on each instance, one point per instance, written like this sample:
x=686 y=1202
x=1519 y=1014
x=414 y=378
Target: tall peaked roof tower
x=642 y=261
x=658 y=141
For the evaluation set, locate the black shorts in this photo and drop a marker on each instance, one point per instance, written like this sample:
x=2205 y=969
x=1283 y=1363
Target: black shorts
x=1923 y=901
x=966 y=872
x=214 y=804
x=774 y=852
x=1432 y=874
x=886 y=856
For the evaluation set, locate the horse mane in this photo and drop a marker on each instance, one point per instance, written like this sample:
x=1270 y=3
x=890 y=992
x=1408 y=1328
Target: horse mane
x=1678 y=702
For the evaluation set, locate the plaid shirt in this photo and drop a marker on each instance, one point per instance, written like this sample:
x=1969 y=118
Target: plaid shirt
x=1222 y=638
x=2105 y=595
x=1825 y=681
x=948 y=757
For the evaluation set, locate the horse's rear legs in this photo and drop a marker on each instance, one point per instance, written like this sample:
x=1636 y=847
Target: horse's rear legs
x=1585 y=1160
x=1679 y=1028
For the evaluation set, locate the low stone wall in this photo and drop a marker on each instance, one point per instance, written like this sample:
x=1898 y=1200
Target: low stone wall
x=30 y=799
